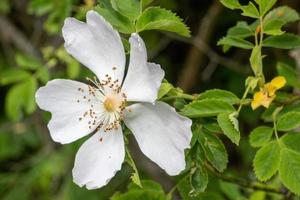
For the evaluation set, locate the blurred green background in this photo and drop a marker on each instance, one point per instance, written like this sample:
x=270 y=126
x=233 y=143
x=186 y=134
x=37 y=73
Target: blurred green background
x=32 y=166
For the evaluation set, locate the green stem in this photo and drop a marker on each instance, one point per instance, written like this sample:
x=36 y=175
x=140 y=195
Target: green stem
x=261 y=31
x=243 y=183
x=256 y=40
x=275 y=130
x=274 y=117
x=187 y=96
x=183 y=96
x=173 y=189
x=290 y=101
x=243 y=98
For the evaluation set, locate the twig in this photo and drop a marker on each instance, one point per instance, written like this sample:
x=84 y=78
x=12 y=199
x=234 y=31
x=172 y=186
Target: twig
x=209 y=70
x=10 y=33
x=195 y=56
x=245 y=184
x=214 y=57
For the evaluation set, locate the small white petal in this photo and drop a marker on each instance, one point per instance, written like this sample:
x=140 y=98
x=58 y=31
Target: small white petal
x=161 y=133
x=98 y=159
x=143 y=79
x=60 y=98
x=95 y=44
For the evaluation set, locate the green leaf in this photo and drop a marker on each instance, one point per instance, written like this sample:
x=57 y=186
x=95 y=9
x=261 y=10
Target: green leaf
x=135 y=178
x=197 y=152
x=252 y=81
x=128 y=8
x=30 y=87
x=145 y=3
x=260 y=136
x=120 y=22
x=258 y=195
x=126 y=45
x=164 y=89
x=218 y=94
x=5 y=6
x=155 y=18
x=284 y=41
x=150 y=191
x=179 y=103
x=59 y=12
x=250 y=10
x=256 y=61
x=289 y=170
x=43 y=75
x=277 y=18
x=73 y=66
x=231 y=190
x=27 y=62
x=289 y=74
x=135 y=174
x=40 y=7
x=228 y=128
x=284 y=13
x=289 y=166
x=198 y=180
x=273 y=27
x=291 y=141
x=73 y=69
x=215 y=150
x=13 y=75
x=206 y=108
x=241 y=30
x=212 y=127
x=265 y=5
x=231 y=4
x=266 y=161
x=235 y=42
x=288 y=121
x=184 y=189
x=21 y=96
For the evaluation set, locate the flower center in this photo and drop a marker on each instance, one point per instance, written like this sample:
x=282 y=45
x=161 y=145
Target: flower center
x=106 y=104
x=109 y=105
x=112 y=102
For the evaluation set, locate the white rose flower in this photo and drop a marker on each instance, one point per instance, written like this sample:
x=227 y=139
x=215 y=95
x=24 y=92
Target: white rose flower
x=79 y=109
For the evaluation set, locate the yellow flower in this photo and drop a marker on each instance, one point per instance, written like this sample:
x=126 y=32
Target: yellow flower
x=278 y=82
x=261 y=98
x=267 y=93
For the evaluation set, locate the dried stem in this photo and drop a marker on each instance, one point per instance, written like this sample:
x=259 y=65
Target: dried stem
x=191 y=67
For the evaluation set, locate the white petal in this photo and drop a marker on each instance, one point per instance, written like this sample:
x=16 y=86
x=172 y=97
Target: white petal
x=60 y=98
x=143 y=79
x=161 y=133
x=95 y=44
x=98 y=159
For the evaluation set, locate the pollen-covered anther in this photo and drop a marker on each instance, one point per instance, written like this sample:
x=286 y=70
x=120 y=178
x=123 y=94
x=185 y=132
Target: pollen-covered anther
x=108 y=103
